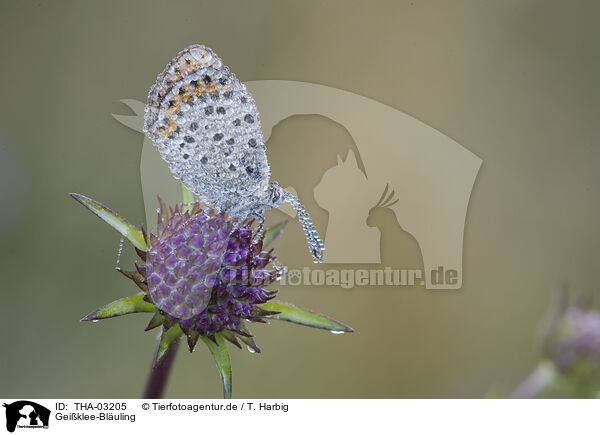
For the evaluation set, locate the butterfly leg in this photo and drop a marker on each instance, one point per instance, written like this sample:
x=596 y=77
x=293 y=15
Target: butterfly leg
x=315 y=244
x=261 y=222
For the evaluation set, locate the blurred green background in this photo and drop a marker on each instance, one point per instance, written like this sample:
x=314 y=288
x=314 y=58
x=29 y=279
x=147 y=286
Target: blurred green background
x=515 y=82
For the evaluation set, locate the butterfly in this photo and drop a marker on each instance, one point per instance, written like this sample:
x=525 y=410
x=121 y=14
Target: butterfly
x=206 y=126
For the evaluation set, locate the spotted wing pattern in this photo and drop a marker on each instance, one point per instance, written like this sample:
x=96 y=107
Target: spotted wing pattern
x=206 y=126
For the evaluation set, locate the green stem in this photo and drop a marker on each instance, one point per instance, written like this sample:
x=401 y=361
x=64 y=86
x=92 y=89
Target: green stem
x=188 y=198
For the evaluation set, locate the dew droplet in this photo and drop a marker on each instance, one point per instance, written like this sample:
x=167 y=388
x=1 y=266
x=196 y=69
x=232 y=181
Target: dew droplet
x=337 y=332
x=250 y=349
x=120 y=251
x=95 y=321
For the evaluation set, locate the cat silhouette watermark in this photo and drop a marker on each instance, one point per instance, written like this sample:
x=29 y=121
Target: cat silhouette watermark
x=422 y=176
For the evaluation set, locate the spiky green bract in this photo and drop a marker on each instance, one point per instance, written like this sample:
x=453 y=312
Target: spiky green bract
x=127 y=230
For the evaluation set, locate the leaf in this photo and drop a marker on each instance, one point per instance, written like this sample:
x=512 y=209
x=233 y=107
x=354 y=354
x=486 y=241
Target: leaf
x=127 y=230
x=120 y=307
x=221 y=356
x=272 y=233
x=167 y=338
x=302 y=316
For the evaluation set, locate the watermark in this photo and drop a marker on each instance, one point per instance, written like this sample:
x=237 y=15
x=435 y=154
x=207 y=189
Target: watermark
x=350 y=278
x=424 y=177
x=25 y=414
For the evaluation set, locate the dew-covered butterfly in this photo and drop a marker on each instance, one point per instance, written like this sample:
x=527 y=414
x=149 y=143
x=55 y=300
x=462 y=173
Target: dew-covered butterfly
x=206 y=126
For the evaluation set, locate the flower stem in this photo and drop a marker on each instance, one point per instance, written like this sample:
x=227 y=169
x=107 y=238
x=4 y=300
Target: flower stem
x=536 y=382
x=159 y=375
x=187 y=197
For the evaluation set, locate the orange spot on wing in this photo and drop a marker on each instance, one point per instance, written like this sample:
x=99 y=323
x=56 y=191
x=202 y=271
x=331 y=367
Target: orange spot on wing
x=174 y=108
x=169 y=129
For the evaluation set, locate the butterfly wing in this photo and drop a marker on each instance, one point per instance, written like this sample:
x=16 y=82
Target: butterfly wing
x=206 y=126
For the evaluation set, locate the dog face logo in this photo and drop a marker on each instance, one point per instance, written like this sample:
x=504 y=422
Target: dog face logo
x=24 y=413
